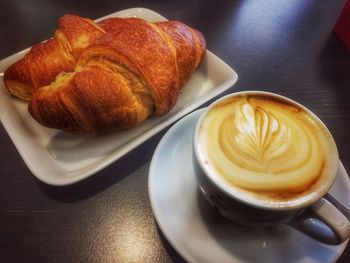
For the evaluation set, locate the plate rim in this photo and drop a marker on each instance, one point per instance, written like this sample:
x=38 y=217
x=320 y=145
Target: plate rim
x=188 y=257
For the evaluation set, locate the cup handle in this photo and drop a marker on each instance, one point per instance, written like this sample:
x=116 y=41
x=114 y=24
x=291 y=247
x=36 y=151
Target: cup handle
x=324 y=221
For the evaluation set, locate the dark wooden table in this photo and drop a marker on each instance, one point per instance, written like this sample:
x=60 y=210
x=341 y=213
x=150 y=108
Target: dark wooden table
x=286 y=47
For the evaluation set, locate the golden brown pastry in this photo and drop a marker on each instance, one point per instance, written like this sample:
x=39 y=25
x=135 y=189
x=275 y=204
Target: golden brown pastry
x=46 y=60
x=132 y=71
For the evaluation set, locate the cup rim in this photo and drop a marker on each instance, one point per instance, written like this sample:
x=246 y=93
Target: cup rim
x=231 y=192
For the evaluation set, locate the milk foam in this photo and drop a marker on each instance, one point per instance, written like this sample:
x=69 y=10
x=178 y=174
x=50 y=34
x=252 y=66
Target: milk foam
x=266 y=147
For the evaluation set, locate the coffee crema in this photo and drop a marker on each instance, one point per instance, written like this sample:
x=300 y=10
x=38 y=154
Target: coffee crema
x=266 y=146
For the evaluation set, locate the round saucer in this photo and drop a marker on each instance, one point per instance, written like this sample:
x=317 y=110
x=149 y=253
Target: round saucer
x=200 y=234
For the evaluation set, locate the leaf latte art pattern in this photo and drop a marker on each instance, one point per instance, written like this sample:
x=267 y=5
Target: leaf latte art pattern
x=257 y=138
x=264 y=144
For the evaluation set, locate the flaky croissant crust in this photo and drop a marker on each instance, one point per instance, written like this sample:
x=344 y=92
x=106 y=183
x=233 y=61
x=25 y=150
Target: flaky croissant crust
x=46 y=60
x=107 y=76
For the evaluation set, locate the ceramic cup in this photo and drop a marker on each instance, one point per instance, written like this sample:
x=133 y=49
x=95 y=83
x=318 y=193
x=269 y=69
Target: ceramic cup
x=262 y=159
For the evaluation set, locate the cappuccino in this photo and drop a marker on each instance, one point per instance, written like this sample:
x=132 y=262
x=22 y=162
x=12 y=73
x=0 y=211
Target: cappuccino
x=267 y=149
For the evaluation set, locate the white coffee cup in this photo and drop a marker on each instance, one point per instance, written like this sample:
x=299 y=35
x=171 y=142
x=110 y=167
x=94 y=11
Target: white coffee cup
x=263 y=159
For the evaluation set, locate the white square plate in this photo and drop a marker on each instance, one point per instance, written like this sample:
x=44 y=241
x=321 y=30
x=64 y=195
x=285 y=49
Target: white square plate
x=59 y=158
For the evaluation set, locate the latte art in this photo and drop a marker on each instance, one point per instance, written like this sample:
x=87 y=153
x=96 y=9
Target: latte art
x=262 y=144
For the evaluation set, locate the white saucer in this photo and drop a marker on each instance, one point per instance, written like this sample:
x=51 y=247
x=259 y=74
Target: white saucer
x=201 y=235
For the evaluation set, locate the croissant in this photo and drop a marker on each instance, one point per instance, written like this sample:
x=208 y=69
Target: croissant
x=133 y=69
x=46 y=60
